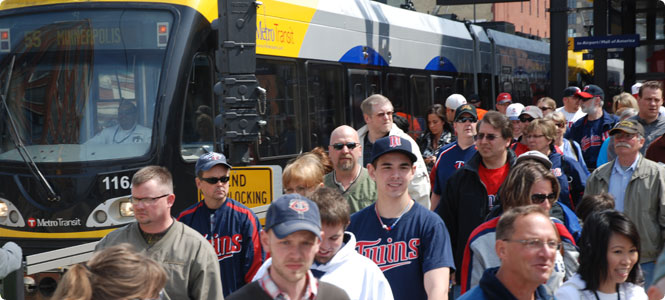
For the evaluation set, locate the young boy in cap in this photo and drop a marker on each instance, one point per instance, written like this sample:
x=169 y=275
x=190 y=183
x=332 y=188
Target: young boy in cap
x=292 y=235
x=337 y=261
x=231 y=227
x=407 y=241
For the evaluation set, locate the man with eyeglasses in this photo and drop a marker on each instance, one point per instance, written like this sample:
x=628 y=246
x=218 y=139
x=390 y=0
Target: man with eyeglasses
x=230 y=227
x=378 y=115
x=591 y=130
x=470 y=192
x=638 y=187
x=349 y=177
x=527 y=244
x=189 y=259
x=571 y=105
x=455 y=155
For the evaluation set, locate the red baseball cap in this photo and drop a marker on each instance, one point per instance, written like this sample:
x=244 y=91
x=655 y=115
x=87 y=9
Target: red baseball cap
x=504 y=98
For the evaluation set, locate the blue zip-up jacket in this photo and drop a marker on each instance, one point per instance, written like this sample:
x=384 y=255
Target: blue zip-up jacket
x=233 y=230
x=571 y=176
x=491 y=288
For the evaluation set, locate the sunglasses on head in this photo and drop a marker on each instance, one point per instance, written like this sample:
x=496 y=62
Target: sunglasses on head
x=340 y=146
x=214 y=180
x=466 y=119
x=525 y=119
x=490 y=137
x=540 y=198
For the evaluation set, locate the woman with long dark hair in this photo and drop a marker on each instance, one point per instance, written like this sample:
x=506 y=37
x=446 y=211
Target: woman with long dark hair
x=609 y=252
x=437 y=134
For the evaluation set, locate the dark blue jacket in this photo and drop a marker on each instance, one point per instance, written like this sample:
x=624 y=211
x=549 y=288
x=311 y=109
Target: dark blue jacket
x=590 y=135
x=491 y=288
x=571 y=176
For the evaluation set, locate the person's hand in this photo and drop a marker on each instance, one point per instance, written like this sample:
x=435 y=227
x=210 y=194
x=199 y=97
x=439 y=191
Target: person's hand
x=430 y=160
x=654 y=293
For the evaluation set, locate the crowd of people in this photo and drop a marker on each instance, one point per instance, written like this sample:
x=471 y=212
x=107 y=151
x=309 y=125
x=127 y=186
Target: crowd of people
x=511 y=203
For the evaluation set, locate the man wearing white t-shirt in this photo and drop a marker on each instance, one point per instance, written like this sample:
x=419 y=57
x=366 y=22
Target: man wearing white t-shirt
x=571 y=105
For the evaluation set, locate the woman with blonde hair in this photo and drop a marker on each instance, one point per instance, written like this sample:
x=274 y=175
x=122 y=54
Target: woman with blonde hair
x=623 y=100
x=115 y=273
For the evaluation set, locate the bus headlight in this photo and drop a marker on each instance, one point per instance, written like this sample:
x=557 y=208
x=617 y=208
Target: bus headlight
x=126 y=209
x=4 y=209
x=112 y=212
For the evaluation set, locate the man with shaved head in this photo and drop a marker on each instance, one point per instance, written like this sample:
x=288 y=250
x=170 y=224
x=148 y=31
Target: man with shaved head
x=349 y=176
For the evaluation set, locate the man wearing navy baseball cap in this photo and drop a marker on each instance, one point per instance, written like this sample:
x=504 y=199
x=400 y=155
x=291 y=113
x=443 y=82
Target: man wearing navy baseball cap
x=231 y=227
x=406 y=240
x=571 y=105
x=292 y=234
x=593 y=129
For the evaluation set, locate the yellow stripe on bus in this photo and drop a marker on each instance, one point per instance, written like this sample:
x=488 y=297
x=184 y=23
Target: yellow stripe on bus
x=4 y=232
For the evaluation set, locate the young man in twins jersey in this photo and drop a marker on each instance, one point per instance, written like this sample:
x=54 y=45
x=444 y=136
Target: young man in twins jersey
x=409 y=243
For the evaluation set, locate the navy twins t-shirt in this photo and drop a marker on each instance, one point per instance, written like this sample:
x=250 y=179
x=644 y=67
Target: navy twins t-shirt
x=418 y=243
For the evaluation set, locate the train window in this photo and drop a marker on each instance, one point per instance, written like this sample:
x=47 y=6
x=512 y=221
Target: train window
x=325 y=93
x=198 y=127
x=280 y=136
x=362 y=83
x=442 y=88
x=421 y=101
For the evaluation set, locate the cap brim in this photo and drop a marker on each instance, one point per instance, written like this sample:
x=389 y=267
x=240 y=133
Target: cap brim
x=282 y=230
x=410 y=154
x=584 y=95
x=504 y=101
x=614 y=131
x=211 y=164
x=514 y=118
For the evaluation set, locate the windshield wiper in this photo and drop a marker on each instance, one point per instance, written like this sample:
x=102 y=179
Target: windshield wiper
x=20 y=147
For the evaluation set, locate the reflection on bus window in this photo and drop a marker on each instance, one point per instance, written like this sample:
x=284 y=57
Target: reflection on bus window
x=84 y=83
x=199 y=119
x=279 y=136
x=325 y=98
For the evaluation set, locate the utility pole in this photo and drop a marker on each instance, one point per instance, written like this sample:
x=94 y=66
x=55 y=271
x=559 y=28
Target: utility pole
x=558 y=49
x=238 y=91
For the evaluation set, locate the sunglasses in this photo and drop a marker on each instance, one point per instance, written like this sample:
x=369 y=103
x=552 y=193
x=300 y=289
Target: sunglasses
x=540 y=198
x=214 y=180
x=340 y=146
x=561 y=125
x=525 y=119
x=466 y=119
x=544 y=108
x=489 y=137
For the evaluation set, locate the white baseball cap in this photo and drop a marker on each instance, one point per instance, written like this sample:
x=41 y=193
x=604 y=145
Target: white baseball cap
x=514 y=111
x=635 y=89
x=454 y=101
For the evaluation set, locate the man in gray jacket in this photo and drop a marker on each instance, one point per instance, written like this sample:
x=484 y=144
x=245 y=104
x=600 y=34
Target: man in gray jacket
x=189 y=260
x=638 y=187
x=378 y=114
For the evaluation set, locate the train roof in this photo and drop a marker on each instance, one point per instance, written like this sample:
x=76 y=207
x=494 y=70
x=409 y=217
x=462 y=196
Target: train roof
x=518 y=42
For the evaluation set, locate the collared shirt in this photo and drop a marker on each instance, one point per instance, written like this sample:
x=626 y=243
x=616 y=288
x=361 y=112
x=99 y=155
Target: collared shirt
x=270 y=287
x=340 y=185
x=619 y=180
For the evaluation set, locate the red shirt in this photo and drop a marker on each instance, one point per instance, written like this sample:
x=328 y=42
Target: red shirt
x=493 y=178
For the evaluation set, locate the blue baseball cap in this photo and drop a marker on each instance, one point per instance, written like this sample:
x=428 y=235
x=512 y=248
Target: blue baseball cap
x=209 y=160
x=392 y=143
x=291 y=213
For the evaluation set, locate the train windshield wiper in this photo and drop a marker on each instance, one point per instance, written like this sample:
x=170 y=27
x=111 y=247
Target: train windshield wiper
x=20 y=147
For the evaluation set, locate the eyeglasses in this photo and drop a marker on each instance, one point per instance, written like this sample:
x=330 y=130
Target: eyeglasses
x=524 y=119
x=146 y=200
x=340 y=146
x=539 y=198
x=490 y=137
x=624 y=136
x=534 y=136
x=466 y=119
x=214 y=180
x=544 y=108
x=533 y=244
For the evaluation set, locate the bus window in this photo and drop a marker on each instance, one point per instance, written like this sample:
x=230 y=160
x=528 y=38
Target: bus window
x=363 y=83
x=281 y=135
x=198 y=126
x=442 y=88
x=325 y=98
x=397 y=91
x=421 y=101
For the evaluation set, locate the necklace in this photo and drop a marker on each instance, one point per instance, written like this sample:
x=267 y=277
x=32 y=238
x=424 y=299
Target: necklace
x=128 y=135
x=386 y=227
x=618 y=296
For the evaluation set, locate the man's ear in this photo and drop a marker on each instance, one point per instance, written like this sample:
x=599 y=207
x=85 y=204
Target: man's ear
x=265 y=241
x=370 y=170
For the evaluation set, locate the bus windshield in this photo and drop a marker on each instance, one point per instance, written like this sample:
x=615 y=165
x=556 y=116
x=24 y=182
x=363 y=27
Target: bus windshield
x=84 y=83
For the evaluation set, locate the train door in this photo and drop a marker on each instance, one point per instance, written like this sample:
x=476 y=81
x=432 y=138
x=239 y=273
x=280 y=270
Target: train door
x=362 y=83
x=325 y=94
x=421 y=100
